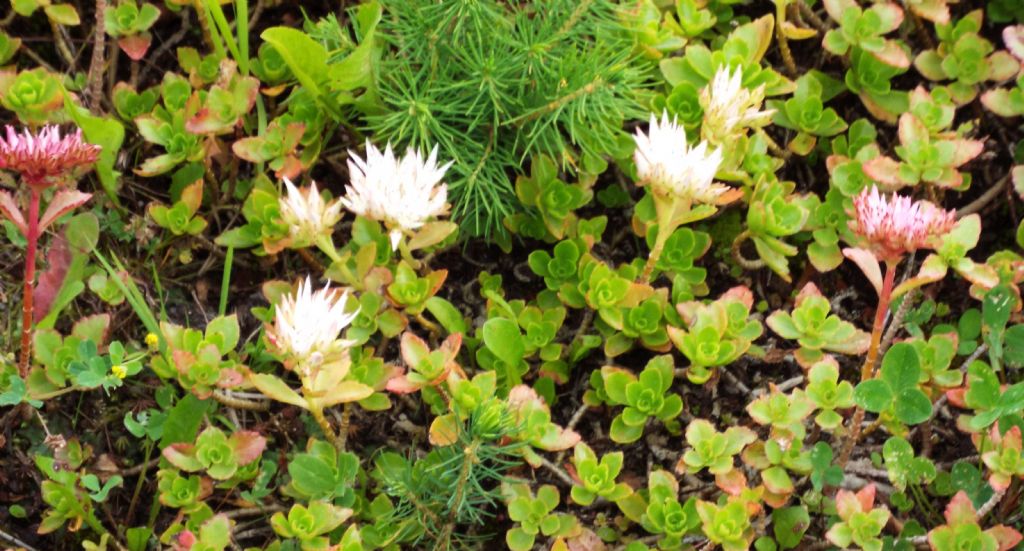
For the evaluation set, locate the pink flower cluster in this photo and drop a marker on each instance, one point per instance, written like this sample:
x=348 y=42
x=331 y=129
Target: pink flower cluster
x=898 y=225
x=43 y=159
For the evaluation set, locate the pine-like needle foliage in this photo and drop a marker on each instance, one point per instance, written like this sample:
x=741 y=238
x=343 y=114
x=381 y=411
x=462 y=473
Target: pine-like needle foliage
x=492 y=83
x=446 y=499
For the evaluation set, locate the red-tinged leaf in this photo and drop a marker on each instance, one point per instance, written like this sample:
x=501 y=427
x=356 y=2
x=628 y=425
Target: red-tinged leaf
x=809 y=290
x=291 y=167
x=155 y=166
x=893 y=55
x=741 y=293
x=960 y=510
x=185 y=540
x=729 y=197
x=935 y=11
x=1013 y=36
x=58 y=259
x=135 y=46
x=11 y=211
x=1003 y=66
x=957 y=397
x=183 y=456
x=414 y=349
x=835 y=8
x=444 y=430
x=205 y=123
x=982 y=275
x=1007 y=537
x=967 y=150
x=949 y=179
x=587 y=540
x=230 y=378
x=891 y=16
x=1018 y=180
x=64 y=201
x=95 y=328
x=932 y=269
x=183 y=360
x=866 y=497
x=248 y=446
x=868 y=263
x=192 y=196
x=400 y=384
x=911 y=129
x=884 y=170
x=253 y=149
x=732 y=482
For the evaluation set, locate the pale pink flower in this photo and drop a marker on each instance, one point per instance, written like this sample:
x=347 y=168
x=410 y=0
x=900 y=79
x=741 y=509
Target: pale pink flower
x=44 y=159
x=306 y=213
x=402 y=193
x=729 y=108
x=666 y=162
x=308 y=324
x=897 y=225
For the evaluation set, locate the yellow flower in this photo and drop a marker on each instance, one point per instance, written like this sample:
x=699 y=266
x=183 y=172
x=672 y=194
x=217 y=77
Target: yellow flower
x=152 y=341
x=119 y=371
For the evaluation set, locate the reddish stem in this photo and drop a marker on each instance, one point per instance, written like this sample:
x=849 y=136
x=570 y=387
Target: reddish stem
x=27 y=320
x=868 y=371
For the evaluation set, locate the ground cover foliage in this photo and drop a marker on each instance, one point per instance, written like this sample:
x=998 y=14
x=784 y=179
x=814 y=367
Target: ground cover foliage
x=458 y=274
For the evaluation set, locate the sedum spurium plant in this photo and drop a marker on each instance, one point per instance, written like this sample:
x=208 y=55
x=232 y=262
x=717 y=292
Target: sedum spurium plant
x=662 y=180
x=679 y=178
x=305 y=336
x=644 y=396
x=860 y=521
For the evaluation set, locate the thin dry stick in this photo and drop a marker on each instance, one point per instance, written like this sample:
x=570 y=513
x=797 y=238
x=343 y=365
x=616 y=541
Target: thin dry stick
x=986 y=198
x=95 y=89
x=62 y=45
x=573 y=421
x=325 y=425
x=780 y=38
x=737 y=253
x=254 y=511
x=15 y=541
x=239 y=403
x=343 y=423
x=987 y=507
x=811 y=17
x=897 y=321
x=557 y=471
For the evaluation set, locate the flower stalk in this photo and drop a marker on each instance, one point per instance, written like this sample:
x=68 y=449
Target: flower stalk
x=27 y=310
x=43 y=160
x=667 y=224
x=878 y=328
x=889 y=228
x=678 y=176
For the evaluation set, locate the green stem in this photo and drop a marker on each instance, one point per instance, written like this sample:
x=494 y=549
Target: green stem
x=469 y=459
x=225 y=282
x=140 y=482
x=325 y=425
x=55 y=393
x=346 y=418
x=326 y=246
x=666 y=225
